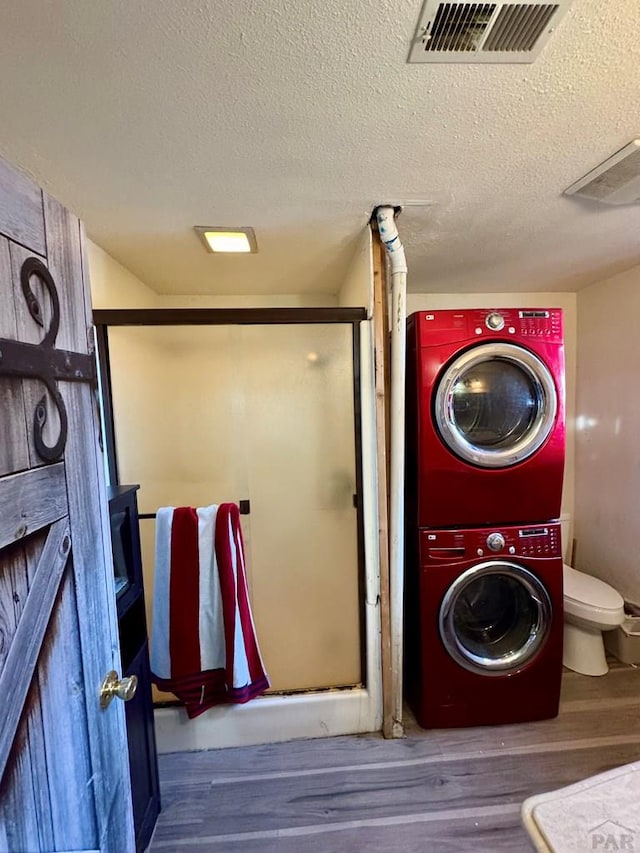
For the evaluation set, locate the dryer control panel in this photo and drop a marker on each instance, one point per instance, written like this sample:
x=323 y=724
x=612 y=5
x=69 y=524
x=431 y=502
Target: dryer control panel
x=449 y=326
x=531 y=541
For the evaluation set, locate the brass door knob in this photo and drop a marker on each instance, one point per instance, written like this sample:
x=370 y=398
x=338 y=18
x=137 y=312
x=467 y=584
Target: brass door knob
x=123 y=688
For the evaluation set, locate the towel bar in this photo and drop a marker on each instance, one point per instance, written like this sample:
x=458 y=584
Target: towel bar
x=243 y=506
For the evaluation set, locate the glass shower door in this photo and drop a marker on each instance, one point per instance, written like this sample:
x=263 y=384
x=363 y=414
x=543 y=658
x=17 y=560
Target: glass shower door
x=205 y=414
x=298 y=383
x=179 y=422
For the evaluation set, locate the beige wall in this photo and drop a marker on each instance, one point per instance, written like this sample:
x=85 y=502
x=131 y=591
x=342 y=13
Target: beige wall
x=296 y=300
x=357 y=289
x=607 y=447
x=566 y=301
x=113 y=286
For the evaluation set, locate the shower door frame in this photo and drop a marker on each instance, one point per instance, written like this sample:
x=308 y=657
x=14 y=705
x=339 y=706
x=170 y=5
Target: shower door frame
x=105 y=318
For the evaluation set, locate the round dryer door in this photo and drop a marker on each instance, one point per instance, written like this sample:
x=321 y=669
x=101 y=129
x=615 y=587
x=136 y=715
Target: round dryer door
x=495 y=618
x=495 y=405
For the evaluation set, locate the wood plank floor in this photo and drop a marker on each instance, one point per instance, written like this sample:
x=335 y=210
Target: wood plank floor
x=446 y=790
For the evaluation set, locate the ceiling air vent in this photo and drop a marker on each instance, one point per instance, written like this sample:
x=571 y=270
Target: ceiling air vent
x=616 y=181
x=485 y=32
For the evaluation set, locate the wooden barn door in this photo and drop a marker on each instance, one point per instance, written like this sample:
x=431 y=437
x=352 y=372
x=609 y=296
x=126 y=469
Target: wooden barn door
x=64 y=778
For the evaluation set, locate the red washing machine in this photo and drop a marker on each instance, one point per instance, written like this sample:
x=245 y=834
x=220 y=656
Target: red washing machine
x=484 y=626
x=485 y=417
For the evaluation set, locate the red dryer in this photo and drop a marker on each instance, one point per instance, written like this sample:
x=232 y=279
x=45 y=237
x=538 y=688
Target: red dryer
x=484 y=626
x=485 y=417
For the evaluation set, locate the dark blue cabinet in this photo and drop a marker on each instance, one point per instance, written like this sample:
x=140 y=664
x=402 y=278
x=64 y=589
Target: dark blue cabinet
x=134 y=652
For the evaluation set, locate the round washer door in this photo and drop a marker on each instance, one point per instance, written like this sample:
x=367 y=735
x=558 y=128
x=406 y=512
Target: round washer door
x=495 y=618
x=495 y=405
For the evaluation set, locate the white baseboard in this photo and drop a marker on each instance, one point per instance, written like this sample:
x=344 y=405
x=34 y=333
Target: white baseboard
x=268 y=719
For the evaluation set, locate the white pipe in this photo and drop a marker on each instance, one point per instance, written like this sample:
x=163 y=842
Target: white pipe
x=398 y=268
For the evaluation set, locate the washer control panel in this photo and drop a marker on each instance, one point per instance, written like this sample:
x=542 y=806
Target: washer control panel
x=539 y=541
x=543 y=541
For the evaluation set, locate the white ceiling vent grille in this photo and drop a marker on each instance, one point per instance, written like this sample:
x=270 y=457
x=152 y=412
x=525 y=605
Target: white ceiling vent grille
x=485 y=32
x=616 y=181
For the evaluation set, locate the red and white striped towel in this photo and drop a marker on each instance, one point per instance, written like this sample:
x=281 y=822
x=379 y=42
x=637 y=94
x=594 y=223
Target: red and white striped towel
x=203 y=644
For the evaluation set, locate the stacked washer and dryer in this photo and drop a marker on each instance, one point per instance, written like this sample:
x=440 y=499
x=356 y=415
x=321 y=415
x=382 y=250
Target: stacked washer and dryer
x=485 y=460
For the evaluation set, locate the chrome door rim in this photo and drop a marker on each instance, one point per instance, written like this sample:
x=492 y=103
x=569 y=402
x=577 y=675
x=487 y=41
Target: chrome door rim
x=537 y=635
x=536 y=371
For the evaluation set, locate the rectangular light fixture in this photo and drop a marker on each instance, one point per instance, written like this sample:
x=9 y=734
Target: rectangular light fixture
x=234 y=240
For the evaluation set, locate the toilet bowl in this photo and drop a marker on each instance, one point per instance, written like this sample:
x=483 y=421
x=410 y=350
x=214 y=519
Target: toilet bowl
x=591 y=606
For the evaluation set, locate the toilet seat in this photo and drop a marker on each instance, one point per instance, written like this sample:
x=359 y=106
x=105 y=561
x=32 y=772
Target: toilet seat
x=585 y=589
x=590 y=598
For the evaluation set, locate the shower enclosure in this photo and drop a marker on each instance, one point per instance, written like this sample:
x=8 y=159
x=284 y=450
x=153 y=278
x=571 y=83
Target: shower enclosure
x=265 y=413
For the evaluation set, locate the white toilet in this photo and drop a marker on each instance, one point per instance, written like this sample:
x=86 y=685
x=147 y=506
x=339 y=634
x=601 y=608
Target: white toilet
x=591 y=606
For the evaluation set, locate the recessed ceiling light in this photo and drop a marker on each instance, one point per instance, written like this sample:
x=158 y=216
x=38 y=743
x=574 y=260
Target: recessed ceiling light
x=216 y=239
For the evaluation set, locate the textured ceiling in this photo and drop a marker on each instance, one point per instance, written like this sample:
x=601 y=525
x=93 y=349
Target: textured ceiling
x=298 y=118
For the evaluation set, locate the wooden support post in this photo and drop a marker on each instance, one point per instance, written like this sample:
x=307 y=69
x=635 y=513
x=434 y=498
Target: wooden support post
x=390 y=726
